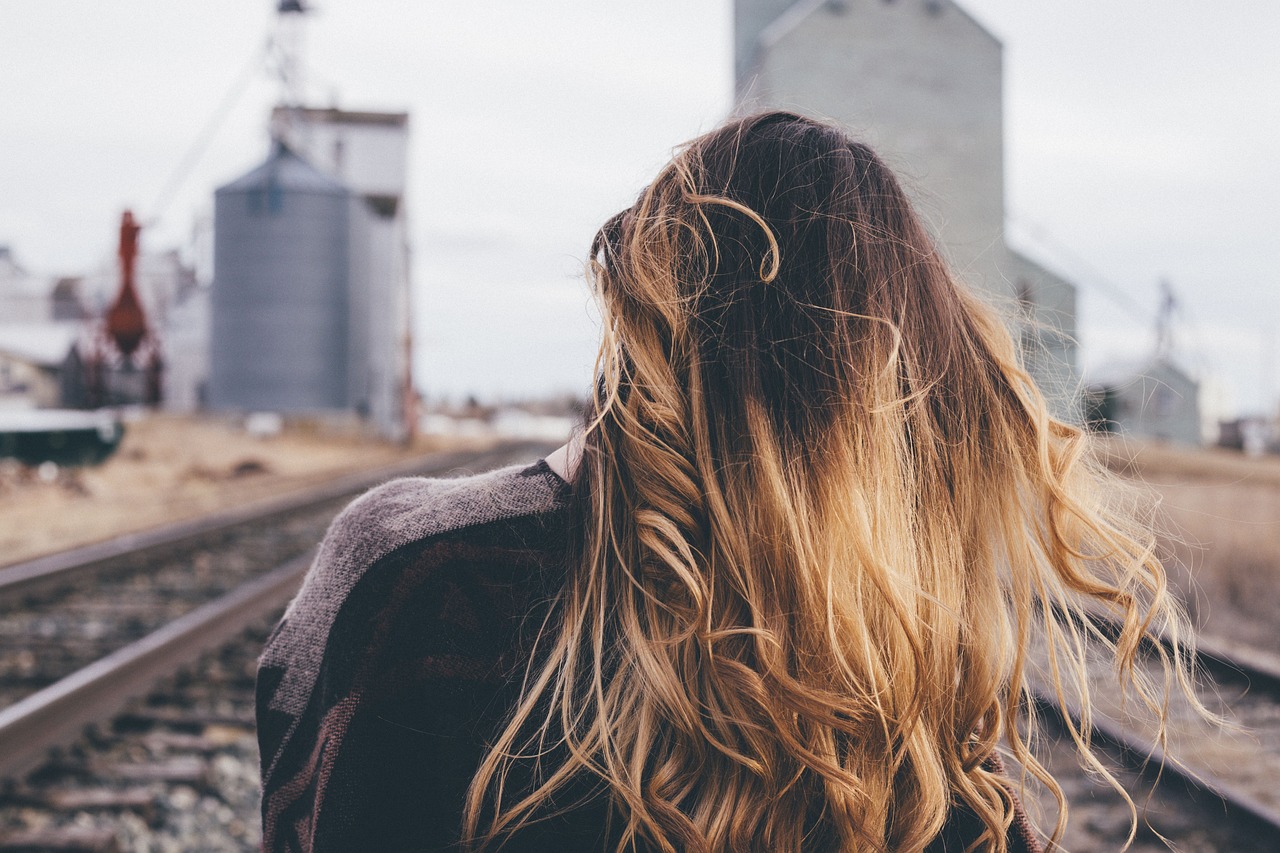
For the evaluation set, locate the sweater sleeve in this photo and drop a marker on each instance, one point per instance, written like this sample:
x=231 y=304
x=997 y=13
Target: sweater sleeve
x=964 y=827
x=376 y=689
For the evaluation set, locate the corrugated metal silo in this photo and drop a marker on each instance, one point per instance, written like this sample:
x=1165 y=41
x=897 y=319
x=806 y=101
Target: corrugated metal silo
x=281 y=292
x=367 y=151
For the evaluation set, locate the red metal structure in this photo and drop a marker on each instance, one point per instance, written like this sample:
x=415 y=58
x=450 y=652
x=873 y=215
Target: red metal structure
x=124 y=342
x=126 y=324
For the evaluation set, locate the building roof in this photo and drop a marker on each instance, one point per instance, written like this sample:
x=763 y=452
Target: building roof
x=284 y=169
x=15 y=281
x=786 y=17
x=333 y=115
x=43 y=344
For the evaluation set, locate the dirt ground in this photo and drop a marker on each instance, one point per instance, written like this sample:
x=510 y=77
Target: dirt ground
x=1221 y=510
x=170 y=468
x=1221 y=514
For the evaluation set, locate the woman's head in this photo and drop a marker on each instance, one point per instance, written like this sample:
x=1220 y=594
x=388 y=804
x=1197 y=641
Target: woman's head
x=824 y=516
x=784 y=259
x=775 y=277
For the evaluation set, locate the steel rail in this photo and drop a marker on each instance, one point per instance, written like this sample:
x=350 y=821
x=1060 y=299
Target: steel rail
x=1146 y=757
x=38 y=575
x=1211 y=654
x=1238 y=662
x=58 y=713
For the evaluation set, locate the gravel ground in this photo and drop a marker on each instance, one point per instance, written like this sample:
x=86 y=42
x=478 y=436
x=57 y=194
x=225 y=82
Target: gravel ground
x=197 y=728
x=204 y=718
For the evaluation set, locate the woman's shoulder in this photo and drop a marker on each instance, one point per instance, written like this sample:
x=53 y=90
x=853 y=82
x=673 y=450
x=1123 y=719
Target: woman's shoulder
x=398 y=638
x=435 y=524
x=404 y=511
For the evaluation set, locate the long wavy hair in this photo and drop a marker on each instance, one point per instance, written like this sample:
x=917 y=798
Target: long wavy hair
x=827 y=521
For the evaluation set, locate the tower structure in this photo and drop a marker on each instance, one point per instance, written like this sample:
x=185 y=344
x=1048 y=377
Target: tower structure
x=921 y=81
x=311 y=293
x=282 y=290
x=367 y=152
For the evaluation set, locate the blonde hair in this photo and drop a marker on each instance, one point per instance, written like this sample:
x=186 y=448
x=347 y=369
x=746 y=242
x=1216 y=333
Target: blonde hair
x=825 y=518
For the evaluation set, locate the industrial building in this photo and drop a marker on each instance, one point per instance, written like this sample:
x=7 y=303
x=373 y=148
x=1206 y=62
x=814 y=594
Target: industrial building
x=1154 y=398
x=34 y=360
x=1151 y=397
x=24 y=298
x=920 y=81
x=40 y=326
x=307 y=313
x=53 y=341
x=310 y=300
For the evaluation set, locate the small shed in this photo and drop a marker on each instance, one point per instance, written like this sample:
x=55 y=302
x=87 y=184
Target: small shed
x=1147 y=399
x=32 y=359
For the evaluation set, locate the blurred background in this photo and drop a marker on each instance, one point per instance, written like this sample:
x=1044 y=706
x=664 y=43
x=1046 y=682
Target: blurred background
x=251 y=246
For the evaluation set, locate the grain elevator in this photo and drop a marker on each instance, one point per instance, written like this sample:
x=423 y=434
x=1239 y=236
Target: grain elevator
x=310 y=306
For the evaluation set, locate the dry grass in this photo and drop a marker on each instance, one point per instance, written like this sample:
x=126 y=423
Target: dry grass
x=170 y=468
x=1222 y=511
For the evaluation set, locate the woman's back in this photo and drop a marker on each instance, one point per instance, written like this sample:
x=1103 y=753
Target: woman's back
x=429 y=594
x=821 y=525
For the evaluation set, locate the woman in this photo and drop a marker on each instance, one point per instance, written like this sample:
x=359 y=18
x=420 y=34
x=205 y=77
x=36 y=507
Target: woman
x=789 y=597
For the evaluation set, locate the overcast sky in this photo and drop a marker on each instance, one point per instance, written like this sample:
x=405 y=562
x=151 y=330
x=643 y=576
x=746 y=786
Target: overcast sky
x=1141 y=143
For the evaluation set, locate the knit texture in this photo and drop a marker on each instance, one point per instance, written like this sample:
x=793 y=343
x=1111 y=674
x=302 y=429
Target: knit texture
x=375 y=525
x=401 y=657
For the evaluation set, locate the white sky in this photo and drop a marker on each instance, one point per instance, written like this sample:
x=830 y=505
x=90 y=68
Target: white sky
x=1141 y=142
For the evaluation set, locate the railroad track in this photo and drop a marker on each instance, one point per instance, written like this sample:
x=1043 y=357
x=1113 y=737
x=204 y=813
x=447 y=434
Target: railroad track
x=85 y=633
x=61 y=613
x=175 y=771
x=42 y=575
x=153 y=762
x=1218 y=788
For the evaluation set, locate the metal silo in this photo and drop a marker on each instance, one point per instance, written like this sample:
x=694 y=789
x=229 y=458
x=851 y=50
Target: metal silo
x=281 y=291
